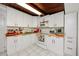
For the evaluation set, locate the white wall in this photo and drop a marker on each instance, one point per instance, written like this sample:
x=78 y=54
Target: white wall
x=71 y=7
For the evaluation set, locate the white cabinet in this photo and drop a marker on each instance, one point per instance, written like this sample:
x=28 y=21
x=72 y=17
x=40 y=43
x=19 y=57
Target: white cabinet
x=11 y=45
x=50 y=43
x=60 y=42
x=55 y=44
x=59 y=19
x=20 y=42
x=51 y=21
x=70 y=34
x=26 y=20
x=34 y=21
x=11 y=16
x=55 y=20
x=19 y=19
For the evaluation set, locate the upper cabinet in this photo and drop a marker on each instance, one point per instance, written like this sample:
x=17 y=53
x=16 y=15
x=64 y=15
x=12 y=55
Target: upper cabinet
x=34 y=21
x=71 y=7
x=14 y=17
x=18 y=18
x=55 y=20
x=59 y=19
x=11 y=16
x=3 y=12
x=51 y=20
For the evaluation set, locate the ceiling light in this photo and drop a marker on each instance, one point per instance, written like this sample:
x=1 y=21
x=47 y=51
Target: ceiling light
x=29 y=8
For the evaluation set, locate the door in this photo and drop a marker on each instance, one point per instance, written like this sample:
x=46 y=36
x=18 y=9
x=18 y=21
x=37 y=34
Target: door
x=70 y=34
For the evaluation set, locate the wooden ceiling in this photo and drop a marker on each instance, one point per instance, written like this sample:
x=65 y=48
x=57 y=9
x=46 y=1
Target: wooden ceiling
x=45 y=8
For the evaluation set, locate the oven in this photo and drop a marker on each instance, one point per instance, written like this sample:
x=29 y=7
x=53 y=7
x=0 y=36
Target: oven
x=41 y=41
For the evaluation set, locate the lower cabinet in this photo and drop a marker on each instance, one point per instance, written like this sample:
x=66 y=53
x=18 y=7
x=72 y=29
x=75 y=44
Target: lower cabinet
x=55 y=44
x=11 y=47
x=18 y=43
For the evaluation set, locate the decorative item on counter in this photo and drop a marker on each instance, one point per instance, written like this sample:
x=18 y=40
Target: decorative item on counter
x=36 y=30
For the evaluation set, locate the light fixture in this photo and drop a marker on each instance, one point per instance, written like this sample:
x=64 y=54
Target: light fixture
x=26 y=6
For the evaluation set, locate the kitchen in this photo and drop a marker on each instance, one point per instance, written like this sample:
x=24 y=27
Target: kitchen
x=47 y=32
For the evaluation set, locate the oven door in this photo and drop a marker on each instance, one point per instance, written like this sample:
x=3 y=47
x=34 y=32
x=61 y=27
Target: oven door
x=41 y=38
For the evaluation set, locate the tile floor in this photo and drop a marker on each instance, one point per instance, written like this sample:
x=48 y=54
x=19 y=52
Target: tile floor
x=34 y=50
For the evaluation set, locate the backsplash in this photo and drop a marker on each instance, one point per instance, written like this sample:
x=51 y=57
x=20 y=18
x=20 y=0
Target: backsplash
x=53 y=30
x=13 y=30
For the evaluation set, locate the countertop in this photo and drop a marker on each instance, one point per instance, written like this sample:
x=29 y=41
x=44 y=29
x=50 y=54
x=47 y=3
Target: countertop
x=54 y=35
x=48 y=34
x=28 y=33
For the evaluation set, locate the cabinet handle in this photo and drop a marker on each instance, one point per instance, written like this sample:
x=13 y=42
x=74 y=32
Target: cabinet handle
x=53 y=41
x=15 y=41
x=69 y=41
x=69 y=48
x=69 y=37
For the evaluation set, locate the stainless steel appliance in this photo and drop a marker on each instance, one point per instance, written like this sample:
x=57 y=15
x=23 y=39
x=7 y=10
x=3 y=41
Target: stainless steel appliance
x=41 y=38
x=41 y=41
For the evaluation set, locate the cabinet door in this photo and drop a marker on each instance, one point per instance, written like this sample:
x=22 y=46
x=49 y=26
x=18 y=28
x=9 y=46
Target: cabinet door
x=20 y=43
x=26 y=20
x=11 y=48
x=19 y=18
x=11 y=16
x=51 y=21
x=59 y=19
x=60 y=46
x=26 y=41
x=70 y=33
x=51 y=44
x=34 y=22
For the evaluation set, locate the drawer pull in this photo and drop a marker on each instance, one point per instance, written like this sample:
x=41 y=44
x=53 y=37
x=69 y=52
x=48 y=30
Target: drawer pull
x=69 y=41
x=53 y=41
x=69 y=48
x=69 y=37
